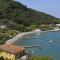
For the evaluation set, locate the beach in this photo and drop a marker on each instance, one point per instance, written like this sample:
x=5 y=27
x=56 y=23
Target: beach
x=20 y=35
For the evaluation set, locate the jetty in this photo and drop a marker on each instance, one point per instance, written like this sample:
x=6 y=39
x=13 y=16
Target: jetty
x=32 y=46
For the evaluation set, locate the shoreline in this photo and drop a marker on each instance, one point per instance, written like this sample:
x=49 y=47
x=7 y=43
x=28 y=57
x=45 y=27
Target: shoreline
x=20 y=35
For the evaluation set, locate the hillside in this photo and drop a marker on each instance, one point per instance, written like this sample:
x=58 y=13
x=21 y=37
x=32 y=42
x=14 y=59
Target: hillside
x=12 y=12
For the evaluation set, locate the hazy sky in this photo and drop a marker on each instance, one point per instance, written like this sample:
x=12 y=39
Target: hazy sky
x=51 y=7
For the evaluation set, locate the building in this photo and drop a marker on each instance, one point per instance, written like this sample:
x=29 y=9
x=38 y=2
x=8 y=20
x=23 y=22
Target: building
x=12 y=52
x=2 y=26
x=57 y=25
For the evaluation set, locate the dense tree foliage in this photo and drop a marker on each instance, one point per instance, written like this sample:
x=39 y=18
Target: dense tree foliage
x=17 y=13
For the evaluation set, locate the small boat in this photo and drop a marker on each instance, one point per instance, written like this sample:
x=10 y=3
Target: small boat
x=50 y=41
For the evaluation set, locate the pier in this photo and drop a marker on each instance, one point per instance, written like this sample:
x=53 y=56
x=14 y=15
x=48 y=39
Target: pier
x=32 y=46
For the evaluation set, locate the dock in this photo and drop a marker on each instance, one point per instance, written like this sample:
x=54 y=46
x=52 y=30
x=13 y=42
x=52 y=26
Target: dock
x=32 y=46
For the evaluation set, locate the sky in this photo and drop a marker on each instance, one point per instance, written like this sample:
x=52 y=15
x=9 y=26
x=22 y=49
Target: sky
x=51 y=7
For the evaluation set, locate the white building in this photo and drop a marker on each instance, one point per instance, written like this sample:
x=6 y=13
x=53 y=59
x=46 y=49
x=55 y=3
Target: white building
x=2 y=26
x=57 y=25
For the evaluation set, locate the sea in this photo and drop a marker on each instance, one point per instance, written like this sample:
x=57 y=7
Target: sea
x=49 y=43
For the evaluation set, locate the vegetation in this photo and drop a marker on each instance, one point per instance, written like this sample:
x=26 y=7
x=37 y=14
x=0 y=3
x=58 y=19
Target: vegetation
x=41 y=58
x=13 y=13
x=6 y=34
x=17 y=17
x=45 y=27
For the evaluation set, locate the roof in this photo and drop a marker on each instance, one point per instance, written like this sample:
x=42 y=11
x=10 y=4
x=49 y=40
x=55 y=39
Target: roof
x=11 y=48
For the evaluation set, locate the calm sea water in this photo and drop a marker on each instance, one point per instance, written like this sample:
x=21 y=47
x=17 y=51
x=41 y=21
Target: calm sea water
x=41 y=38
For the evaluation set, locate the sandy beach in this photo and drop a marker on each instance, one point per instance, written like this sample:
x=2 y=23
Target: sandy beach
x=20 y=35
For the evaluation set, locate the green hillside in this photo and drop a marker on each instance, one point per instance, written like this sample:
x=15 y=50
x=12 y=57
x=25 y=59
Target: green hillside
x=12 y=12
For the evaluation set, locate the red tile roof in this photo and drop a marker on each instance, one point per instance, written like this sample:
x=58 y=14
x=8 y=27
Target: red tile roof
x=11 y=48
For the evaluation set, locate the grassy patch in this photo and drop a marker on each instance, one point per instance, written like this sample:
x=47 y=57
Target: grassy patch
x=41 y=58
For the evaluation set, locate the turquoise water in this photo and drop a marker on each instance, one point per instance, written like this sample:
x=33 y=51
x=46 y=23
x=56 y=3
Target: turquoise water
x=42 y=39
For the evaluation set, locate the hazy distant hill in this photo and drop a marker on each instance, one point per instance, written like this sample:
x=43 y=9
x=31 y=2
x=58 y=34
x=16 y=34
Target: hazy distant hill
x=12 y=12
